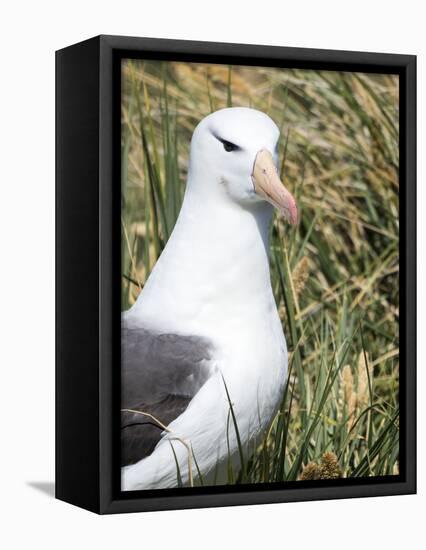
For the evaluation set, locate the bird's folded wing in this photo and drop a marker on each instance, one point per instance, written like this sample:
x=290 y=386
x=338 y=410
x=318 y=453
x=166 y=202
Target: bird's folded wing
x=160 y=374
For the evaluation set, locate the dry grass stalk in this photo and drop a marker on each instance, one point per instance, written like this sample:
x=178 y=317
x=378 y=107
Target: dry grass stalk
x=300 y=275
x=347 y=396
x=362 y=389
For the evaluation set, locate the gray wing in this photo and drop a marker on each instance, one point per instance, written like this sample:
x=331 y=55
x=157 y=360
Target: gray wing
x=160 y=374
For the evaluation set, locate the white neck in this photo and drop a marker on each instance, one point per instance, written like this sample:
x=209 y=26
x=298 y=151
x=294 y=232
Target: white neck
x=214 y=268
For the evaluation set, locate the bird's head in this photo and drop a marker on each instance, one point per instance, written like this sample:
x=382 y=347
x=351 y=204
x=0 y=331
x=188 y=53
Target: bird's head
x=238 y=148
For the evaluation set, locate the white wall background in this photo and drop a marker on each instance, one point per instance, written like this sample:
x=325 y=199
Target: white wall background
x=29 y=34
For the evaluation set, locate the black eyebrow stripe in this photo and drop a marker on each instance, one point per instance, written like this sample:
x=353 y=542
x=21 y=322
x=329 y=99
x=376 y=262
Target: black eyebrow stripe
x=222 y=140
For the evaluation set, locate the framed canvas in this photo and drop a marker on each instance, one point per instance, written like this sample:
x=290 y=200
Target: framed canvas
x=236 y=281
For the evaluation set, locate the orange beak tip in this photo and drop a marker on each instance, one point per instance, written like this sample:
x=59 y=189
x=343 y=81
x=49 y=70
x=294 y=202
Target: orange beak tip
x=294 y=216
x=289 y=211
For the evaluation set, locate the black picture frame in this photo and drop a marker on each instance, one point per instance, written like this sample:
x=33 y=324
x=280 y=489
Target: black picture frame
x=88 y=272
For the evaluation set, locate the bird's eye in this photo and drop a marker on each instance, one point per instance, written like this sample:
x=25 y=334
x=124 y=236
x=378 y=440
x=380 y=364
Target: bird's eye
x=228 y=146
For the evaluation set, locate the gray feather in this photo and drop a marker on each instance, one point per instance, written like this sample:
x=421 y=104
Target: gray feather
x=160 y=374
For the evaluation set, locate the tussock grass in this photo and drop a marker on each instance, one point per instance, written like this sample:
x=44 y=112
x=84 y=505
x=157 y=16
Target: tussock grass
x=335 y=277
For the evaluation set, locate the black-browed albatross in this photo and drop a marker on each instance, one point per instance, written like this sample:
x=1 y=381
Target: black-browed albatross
x=207 y=316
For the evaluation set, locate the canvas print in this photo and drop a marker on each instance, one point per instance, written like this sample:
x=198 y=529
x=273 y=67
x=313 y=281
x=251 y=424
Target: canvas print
x=259 y=275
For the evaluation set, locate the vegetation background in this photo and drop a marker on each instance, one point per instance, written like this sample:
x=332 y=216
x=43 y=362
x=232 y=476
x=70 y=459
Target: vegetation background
x=335 y=277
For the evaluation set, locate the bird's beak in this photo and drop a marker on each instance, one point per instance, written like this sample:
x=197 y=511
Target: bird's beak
x=268 y=185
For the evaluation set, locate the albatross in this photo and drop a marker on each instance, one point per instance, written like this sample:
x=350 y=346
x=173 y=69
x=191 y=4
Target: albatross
x=204 y=338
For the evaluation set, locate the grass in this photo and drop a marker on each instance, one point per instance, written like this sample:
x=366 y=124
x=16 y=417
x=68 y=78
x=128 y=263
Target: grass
x=335 y=277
